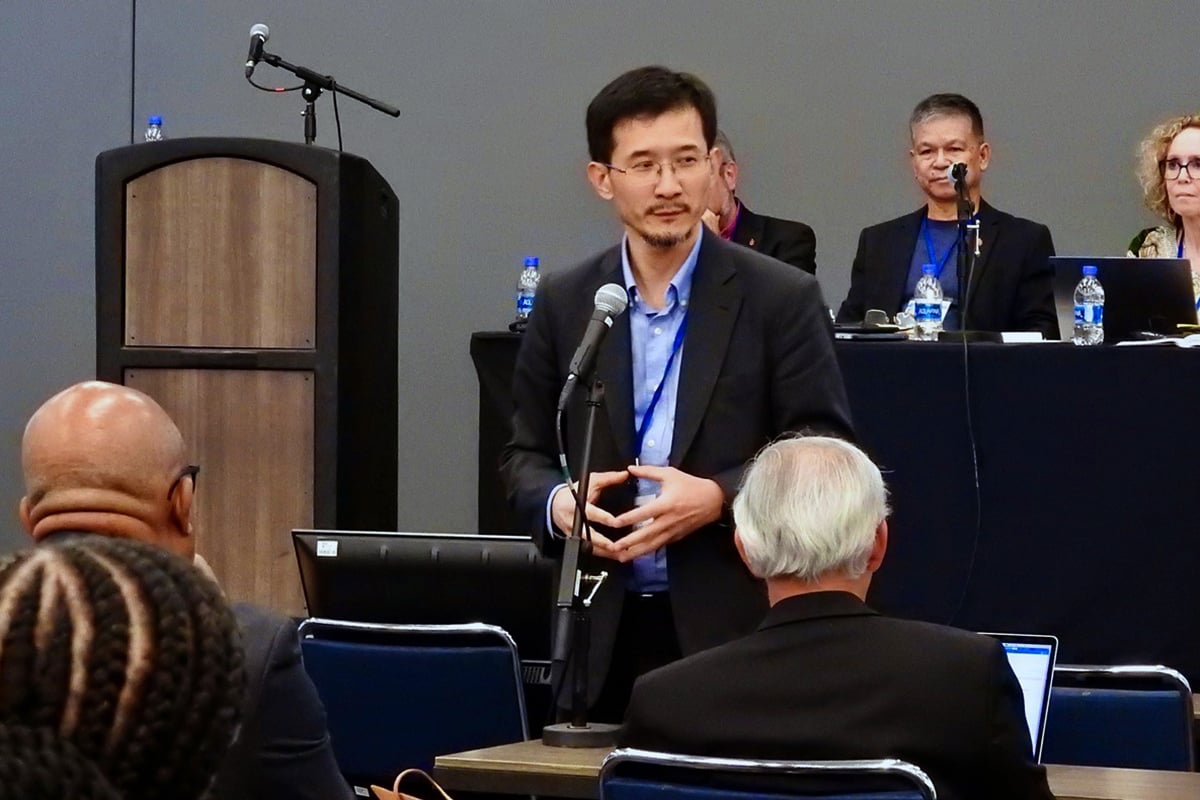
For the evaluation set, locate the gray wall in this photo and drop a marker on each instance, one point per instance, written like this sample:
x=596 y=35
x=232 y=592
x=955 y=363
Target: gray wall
x=66 y=97
x=488 y=156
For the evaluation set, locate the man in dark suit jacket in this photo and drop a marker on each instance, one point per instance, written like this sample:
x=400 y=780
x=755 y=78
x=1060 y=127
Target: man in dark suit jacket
x=742 y=351
x=102 y=459
x=1011 y=284
x=790 y=242
x=824 y=676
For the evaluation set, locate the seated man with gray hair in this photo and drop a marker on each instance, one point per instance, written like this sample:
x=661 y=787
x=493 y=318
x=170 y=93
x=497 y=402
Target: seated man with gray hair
x=825 y=676
x=727 y=216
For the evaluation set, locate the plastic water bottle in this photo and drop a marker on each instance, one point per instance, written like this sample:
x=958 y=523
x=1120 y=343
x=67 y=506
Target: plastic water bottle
x=527 y=288
x=1089 y=309
x=927 y=306
x=154 y=130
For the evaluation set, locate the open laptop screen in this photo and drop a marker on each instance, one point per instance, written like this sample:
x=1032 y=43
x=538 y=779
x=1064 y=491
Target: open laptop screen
x=1141 y=294
x=1032 y=660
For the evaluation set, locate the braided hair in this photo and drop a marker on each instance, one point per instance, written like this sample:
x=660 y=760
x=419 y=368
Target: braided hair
x=120 y=673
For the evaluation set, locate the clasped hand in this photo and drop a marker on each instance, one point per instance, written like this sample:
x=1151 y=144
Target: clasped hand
x=684 y=504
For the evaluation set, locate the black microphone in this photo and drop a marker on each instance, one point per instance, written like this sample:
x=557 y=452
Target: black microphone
x=956 y=172
x=259 y=34
x=611 y=301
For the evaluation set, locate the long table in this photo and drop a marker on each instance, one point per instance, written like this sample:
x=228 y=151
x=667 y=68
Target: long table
x=1085 y=521
x=531 y=768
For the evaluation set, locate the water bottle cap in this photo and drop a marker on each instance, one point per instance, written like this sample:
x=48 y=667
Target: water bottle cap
x=156 y=120
x=1089 y=269
x=928 y=269
x=531 y=261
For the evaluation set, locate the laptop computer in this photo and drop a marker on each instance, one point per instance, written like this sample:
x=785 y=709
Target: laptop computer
x=430 y=579
x=1140 y=294
x=1032 y=659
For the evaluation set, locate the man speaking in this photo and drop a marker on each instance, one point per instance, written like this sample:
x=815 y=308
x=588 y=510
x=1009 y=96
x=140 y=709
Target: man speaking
x=721 y=350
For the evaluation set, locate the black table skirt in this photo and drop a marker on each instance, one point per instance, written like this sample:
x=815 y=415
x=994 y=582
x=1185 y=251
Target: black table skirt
x=1085 y=525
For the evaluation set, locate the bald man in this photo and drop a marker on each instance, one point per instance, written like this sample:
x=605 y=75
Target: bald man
x=107 y=460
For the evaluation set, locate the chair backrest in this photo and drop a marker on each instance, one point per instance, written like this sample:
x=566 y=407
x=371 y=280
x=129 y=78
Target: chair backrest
x=630 y=774
x=1127 y=716
x=399 y=695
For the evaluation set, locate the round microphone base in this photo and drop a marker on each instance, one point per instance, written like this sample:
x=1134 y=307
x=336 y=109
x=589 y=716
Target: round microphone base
x=593 y=734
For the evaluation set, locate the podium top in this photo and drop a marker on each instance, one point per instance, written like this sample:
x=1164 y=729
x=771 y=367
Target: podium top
x=317 y=163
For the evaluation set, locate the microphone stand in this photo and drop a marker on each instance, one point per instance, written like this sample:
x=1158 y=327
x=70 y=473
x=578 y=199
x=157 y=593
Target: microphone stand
x=965 y=268
x=964 y=271
x=314 y=84
x=572 y=633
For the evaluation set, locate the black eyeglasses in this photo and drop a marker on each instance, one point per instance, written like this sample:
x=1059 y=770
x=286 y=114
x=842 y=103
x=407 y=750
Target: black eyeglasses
x=190 y=471
x=1172 y=167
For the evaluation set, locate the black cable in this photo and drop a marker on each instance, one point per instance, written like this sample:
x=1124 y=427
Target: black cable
x=566 y=471
x=962 y=599
x=337 y=118
x=133 y=70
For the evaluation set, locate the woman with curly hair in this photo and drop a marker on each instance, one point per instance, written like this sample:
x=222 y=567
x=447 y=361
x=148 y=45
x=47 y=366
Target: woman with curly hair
x=1169 y=170
x=120 y=674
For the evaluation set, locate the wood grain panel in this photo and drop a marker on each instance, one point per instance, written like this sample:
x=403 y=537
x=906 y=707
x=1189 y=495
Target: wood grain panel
x=220 y=252
x=252 y=434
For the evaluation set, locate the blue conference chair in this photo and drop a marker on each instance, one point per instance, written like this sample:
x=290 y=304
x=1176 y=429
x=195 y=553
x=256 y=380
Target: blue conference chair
x=399 y=695
x=630 y=774
x=1134 y=716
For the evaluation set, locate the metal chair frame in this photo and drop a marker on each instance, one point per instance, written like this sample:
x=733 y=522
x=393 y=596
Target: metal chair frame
x=1171 y=678
x=887 y=767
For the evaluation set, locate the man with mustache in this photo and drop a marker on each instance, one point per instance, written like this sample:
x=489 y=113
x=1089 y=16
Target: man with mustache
x=1011 y=287
x=721 y=350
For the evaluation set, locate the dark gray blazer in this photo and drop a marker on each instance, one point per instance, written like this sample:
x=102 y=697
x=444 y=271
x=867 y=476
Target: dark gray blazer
x=758 y=362
x=783 y=239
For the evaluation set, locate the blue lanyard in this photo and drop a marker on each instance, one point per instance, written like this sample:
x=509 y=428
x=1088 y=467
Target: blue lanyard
x=645 y=426
x=939 y=263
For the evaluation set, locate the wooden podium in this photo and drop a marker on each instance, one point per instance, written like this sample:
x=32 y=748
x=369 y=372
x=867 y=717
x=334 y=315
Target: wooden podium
x=251 y=287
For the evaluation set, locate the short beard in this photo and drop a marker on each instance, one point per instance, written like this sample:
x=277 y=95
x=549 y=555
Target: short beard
x=665 y=241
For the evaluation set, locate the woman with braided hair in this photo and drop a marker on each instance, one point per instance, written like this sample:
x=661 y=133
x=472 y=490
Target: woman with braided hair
x=120 y=674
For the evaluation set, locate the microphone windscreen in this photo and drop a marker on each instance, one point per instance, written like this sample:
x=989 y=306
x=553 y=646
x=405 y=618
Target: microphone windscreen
x=259 y=29
x=612 y=299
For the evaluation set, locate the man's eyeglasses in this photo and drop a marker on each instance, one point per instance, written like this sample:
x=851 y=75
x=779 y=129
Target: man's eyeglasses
x=190 y=471
x=1171 y=168
x=647 y=171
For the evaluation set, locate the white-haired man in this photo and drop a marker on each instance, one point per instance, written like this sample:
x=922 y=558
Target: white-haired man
x=824 y=676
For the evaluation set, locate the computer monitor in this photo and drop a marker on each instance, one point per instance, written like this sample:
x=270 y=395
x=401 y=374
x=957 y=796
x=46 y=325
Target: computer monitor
x=431 y=579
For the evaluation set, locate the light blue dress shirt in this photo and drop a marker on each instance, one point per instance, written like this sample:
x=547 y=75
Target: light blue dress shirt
x=652 y=336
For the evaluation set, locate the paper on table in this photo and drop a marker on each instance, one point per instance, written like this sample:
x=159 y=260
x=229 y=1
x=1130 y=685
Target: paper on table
x=1186 y=341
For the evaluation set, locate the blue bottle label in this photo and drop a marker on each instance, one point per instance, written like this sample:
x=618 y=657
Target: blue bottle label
x=1089 y=314
x=524 y=304
x=928 y=311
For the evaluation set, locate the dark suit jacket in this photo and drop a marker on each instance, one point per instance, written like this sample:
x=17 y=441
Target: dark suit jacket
x=790 y=242
x=758 y=361
x=825 y=677
x=1011 y=290
x=282 y=748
